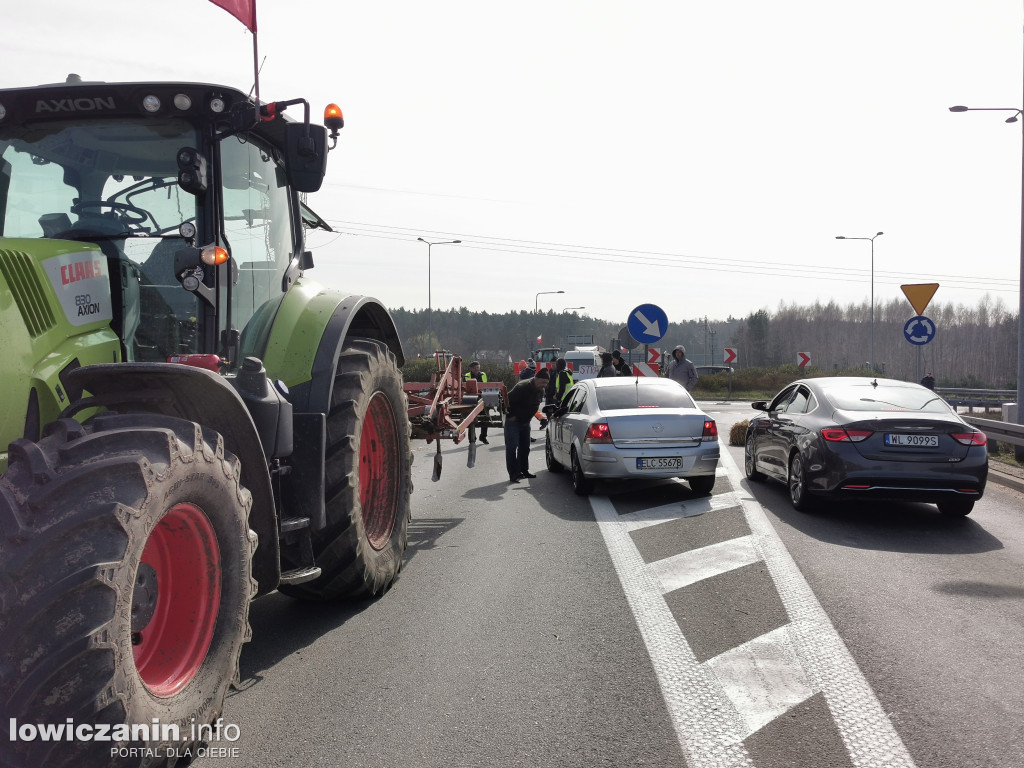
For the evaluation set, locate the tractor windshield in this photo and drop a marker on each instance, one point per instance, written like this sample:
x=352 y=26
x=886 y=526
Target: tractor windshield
x=112 y=182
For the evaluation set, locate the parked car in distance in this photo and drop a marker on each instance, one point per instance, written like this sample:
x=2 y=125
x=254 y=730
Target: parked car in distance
x=865 y=438
x=630 y=428
x=709 y=370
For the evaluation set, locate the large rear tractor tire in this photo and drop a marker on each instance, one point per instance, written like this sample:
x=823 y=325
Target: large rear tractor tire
x=369 y=479
x=125 y=582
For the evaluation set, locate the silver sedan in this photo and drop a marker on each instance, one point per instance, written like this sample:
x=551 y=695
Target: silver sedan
x=631 y=428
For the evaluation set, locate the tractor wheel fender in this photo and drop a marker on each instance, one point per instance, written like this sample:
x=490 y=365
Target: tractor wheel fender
x=205 y=398
x=125 y=581
x=311 y=329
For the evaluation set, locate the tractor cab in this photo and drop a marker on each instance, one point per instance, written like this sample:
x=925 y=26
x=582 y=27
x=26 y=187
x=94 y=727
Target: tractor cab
x=189 y=194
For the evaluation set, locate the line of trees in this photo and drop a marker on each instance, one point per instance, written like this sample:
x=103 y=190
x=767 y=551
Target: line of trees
x=973 y=346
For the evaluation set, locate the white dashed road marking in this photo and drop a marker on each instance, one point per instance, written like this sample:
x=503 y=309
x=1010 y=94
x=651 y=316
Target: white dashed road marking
x=714 y=706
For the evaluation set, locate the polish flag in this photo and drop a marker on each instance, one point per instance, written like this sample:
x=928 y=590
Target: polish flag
x=243 y=10
x=510 y=359
x=540 y=340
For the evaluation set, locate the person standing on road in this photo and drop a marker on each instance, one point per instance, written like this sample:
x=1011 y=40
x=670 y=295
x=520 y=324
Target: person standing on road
x=607 y=369
x=682 y=370
x=559 y=383
x=474 y=372
x=928 y=381
x=529 y=371
x=523 y=401
x=621 y=365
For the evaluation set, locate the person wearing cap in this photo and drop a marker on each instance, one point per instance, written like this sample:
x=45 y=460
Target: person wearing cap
x=523 y=401
x=529 y=371
x=474 y=372
x=620 y=365
x=682 y=370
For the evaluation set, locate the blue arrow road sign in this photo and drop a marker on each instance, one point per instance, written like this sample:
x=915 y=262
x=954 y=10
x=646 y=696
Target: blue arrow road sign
x=919 y=330
x=647 y=323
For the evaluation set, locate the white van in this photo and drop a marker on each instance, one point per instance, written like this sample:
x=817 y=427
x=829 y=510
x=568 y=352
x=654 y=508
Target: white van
x=585 y=364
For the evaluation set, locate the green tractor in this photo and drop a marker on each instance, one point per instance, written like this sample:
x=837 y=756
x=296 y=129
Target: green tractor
x=191 y=422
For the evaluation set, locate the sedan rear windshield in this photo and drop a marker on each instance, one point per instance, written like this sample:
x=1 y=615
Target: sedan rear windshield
x=629 y=397
x=868 y=398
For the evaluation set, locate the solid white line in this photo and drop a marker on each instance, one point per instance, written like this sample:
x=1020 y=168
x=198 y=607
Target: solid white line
x=690 y=567
x=866 y=731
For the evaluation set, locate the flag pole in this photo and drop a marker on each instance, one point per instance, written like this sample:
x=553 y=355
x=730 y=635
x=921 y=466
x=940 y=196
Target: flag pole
x=255 y=56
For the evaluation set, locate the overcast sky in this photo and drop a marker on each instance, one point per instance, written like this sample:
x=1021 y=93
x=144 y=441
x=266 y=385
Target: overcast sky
x=701 y=156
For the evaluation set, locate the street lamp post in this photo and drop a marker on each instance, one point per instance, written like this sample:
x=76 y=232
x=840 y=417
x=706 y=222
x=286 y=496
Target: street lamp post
x=872 y=239
x=1019 y=451
x=430 y=308
x=537 y=298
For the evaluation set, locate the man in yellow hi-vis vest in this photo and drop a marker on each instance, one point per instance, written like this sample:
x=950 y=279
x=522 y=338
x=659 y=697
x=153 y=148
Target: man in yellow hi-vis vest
x=560 y=383
x=474 y=372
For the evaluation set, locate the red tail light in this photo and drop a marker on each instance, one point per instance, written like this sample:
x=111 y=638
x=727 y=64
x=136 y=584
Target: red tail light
x=710 y=430
x=598 y=433
x=840 y=435
x=970 y=438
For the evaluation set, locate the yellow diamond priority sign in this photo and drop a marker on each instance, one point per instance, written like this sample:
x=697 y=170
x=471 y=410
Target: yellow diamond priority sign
x=919 y=295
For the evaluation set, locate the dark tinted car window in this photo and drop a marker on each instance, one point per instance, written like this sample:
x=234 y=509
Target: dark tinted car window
x=577 y=401
x=881 y=398
x=624 y=398
x=799 y=402
x=781 y=399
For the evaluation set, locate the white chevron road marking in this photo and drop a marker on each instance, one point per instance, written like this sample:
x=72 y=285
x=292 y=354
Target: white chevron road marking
x=716 y=705
x=697 y=564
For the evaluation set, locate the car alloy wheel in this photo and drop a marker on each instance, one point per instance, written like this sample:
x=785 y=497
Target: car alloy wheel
x=798 y=494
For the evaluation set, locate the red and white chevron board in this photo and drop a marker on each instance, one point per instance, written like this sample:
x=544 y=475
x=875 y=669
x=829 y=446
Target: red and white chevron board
x=645 y=369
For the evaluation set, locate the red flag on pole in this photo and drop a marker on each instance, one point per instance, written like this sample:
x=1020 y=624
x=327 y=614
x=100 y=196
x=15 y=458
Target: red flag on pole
x=243 y=10
x=540 y=340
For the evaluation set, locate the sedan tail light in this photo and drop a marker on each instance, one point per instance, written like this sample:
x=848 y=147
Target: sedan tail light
x=840 y=435
x=710 y=430
x=970 y=438
x=598 y=433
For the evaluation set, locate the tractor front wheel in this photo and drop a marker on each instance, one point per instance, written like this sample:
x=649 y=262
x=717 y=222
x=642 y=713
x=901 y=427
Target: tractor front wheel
x=125 y=582
x=368 y=479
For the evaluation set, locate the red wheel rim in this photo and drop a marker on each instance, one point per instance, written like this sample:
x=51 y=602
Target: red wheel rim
x=379 y=464
x=183 y=554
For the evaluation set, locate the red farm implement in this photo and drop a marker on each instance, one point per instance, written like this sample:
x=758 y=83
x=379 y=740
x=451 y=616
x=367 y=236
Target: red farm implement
x=449 y=407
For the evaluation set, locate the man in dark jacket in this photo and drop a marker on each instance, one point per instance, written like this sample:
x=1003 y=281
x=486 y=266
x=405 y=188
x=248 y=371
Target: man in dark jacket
x=529 y=371
x=620 y=365
x=523 y=400
x=607 y=369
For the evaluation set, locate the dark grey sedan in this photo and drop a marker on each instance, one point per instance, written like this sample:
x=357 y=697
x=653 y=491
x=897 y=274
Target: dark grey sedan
x=867 y=438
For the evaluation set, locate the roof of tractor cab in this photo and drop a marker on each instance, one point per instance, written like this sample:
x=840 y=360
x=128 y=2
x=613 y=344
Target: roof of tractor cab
x=194 y=101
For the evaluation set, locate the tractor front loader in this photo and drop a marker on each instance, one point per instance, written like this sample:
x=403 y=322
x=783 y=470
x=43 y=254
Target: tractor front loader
x=191 y=421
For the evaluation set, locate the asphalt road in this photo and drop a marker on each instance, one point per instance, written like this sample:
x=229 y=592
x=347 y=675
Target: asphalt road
x=647 y=626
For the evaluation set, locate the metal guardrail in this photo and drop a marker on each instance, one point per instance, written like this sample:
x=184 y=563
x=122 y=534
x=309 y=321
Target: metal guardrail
x=998 y=430
x=977 y=398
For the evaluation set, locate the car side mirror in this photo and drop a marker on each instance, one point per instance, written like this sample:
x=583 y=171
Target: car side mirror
x=561 y=411
x=759 y=405
x=549 y=409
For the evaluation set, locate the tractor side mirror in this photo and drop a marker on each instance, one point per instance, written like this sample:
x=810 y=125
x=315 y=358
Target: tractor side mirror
x=305 y=155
